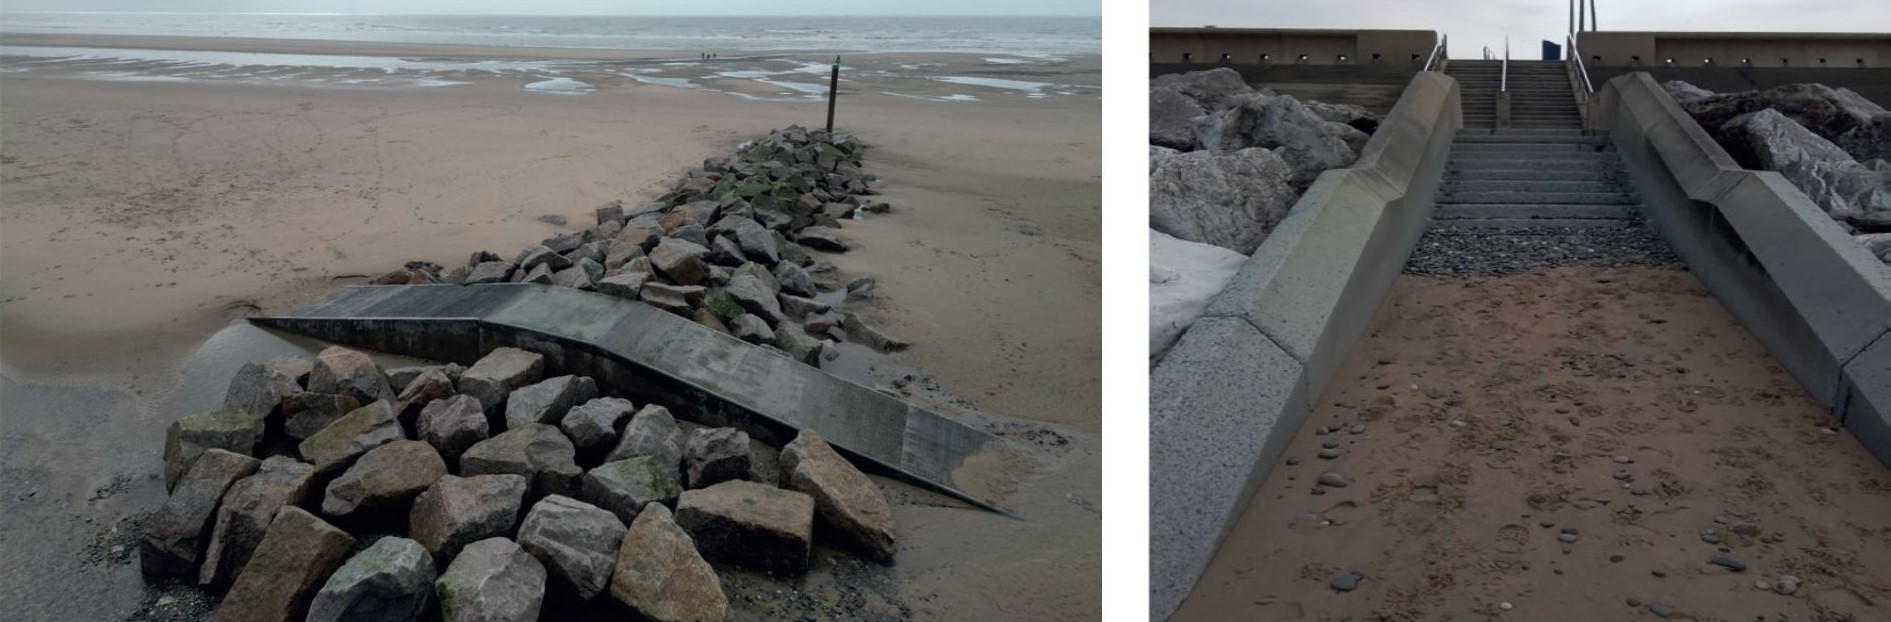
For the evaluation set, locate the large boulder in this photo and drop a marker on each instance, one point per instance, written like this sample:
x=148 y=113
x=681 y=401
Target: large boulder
x=576 y=541
x=338 y=445
x=860 y=330
x=390 y=581
x=1232 y=200
x=661 y=576
x=627 y=285
x=297 y=554
x=1351 y=115
x=753 y=329
x=593 y=425
x=681 y=260
x=821 y=239
x=489 y=272
x=795 y=280
x=257 y=390
x=748 y=524
x=457 y=511
x=537 y=451
x=1214 y=89
x=1685 y=93
x=351 y=373
x=499 y=373
x=547 y=401
x=175 y=536
x=845 y=501
x=387 y=478
x=424 y=389
x=1172 y=117
x=1879 y=244
x=493 y=580
x=799 y=345
x=1354 y=138
x=715 y=455
x=625 y=486
x=188 y=438
x=244 y=515
x=1158 y=155
x=1825 y=111
x=757 y=296
x=1868 y=141
x=1857 y=194
x=651 y=432
x=452 y=425
x=758 y=243
x=306 y=413
x=1283 y=125
x=678 y=299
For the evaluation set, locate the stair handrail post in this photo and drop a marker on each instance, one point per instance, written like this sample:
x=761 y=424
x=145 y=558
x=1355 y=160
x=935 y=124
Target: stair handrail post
x=1437 y=53
x=1580 y=69
x=1503 y=80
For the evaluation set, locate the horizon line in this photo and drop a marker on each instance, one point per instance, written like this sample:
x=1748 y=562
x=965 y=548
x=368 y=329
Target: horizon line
x=1007 y=15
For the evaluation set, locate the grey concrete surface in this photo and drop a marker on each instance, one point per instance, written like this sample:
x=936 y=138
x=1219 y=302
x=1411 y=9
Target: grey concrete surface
x=646 y=354
x=1223 y=404
x=1236 y=386
x=1788 y=272
x=1867 y=411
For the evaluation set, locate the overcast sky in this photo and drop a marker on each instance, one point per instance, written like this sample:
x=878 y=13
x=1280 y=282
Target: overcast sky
x=1474 y=24
x=580 y=7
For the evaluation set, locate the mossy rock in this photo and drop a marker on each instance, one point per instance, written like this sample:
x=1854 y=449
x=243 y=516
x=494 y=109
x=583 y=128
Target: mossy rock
x=723 y=305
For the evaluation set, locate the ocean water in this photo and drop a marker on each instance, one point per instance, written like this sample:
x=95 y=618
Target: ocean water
x=1018 y=36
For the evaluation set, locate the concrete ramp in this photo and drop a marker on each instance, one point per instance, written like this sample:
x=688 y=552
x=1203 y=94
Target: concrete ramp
x=651 y=355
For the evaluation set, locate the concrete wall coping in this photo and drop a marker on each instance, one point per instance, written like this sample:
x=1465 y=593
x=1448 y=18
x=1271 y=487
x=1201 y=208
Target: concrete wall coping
x=1217 y=30
x=1229 y=395
x=1763 y=36
x=1817 y=300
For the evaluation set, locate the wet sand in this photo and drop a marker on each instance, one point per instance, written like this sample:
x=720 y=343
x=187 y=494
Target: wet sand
x=1561 y=379
x=138 y=218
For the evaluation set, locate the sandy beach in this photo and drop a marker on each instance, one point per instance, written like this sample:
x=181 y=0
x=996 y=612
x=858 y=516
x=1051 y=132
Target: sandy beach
x=144 y=205
x=1575 y=443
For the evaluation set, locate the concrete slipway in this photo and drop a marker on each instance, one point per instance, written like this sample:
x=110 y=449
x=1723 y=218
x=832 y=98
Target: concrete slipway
x=1238 y=384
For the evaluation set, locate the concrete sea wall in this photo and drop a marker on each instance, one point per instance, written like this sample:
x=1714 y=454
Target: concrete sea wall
x=1819 y=302
x=1226 y=399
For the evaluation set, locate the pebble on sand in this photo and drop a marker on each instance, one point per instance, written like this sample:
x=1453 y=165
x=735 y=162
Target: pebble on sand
x=1728 y=561
x=1346 y=581
x=1334 y=480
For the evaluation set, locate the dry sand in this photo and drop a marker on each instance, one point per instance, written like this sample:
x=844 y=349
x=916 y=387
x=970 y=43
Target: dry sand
x=136 y=218
x=1571 y=368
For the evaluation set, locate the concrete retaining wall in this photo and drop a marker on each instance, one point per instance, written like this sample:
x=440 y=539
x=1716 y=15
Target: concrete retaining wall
x=1226 y=399
x=1726 y=49
x=1209 y=46
x=1818 y=301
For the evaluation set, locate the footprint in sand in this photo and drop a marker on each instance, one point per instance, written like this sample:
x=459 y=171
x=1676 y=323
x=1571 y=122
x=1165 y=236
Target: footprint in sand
x=1512 y=537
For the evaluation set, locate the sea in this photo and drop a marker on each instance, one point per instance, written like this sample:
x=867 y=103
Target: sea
x=1019 y=55
x=1017 y=36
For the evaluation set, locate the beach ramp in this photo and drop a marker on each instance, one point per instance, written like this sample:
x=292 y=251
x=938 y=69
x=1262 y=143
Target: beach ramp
x=648 y=355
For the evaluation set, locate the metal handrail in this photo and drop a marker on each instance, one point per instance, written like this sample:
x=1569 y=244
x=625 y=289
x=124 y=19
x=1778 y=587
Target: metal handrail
x=1503 y=81
x=1489 y=55
x=1580 y=68
x=1437 y=53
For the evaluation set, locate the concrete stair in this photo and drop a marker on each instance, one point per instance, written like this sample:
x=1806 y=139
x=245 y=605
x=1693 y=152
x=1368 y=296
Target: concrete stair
x=1516 y=179
x=1540 y=96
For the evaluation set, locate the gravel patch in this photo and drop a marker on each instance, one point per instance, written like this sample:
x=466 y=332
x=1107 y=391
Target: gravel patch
x=1468 y=251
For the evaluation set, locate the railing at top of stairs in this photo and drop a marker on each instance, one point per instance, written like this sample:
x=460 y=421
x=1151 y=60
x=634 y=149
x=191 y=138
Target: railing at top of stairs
x=1438 y=58
x=1579 y=79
